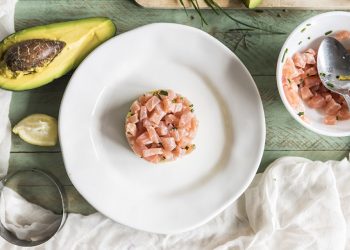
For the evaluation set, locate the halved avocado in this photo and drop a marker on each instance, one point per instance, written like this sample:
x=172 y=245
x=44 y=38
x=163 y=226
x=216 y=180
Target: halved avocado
x=36 y=56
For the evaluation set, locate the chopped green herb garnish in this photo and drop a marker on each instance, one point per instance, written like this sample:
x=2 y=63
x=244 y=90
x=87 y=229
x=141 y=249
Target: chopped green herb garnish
x=192 y=110
x=322 y=74
x=174 y=128
x=163 y=92
x=130 y=114
x=328 y=32
x=309 y=24
x=300 y=113
x=303 y=30
x=308 y=37
x=284 y=54
x=289 y=80
x=193 y=146
x=191 y=106
x=300 y=42
x=330 y=85
x=173 y=101
x=181 y=97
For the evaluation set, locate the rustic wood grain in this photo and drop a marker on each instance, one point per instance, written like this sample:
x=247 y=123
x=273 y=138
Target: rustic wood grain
x=237 y=4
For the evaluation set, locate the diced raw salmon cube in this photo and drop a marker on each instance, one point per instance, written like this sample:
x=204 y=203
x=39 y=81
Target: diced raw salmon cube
x=183 y=132
x=312 y=81
x=330 y=119
x=143 y=113
x=177 y=107
x=292 y=96
x=327 y=96
x=289 y=69
x=144 y=98
x=175 y=134
x=168 y=155
x=162 y=129
x=178 y=152
x=135 y=107
x=131 y=129
x=185 y=119
x=138 y=149
x=144 y=139
x=309 y=58
x=152 y=134
x=167 y=105
x=156 y=117
x=171 y=119
x=185 y=141
x=153 y=158
x=342 y=35
x=311 y=51
x=133 y=119
x=151 y=103
x=332 y=107
x=171 y=95
x=317 y=101
x=343 y=113
x=152 y=151
x=168 y=143
x=298 y=60
x=305 y=93
x=310 y=72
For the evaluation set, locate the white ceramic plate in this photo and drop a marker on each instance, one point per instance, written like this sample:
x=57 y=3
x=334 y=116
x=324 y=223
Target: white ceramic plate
x=169 y=197
x=314 y=28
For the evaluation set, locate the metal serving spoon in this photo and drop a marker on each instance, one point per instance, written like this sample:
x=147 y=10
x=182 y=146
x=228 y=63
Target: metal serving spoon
x=333 y=65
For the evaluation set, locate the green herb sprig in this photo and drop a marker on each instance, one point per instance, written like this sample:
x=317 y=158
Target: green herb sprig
x=212 y=4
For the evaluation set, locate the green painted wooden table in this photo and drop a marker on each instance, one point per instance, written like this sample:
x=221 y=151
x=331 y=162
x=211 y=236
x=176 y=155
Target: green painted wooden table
x=257 y=44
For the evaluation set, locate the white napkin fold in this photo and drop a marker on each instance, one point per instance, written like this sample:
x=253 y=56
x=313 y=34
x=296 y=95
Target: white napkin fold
x=7 y=11
x=26 y=220
x=295 y=204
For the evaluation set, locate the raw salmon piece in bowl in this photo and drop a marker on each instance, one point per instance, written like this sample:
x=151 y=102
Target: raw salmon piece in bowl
x=309 y=34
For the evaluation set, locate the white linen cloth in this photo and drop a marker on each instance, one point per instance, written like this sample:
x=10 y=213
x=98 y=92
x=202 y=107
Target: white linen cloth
x=7 y=11
x=295 y=204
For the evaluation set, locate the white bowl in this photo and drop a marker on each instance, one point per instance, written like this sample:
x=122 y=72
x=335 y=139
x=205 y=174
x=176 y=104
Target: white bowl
x=315 y=29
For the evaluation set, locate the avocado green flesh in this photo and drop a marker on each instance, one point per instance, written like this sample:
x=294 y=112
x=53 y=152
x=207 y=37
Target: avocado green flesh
x=80 y=36
x=252 y=3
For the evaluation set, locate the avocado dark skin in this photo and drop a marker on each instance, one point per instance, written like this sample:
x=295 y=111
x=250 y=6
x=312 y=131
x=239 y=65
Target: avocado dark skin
x=36 y=56
x=30 y=54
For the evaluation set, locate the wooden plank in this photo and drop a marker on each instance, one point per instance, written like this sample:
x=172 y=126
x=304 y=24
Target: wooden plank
x=48 y=162
x=237 y=4
x=254 y=36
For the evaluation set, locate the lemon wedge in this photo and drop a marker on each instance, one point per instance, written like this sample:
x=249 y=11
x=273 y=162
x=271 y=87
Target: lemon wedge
x=37 y=129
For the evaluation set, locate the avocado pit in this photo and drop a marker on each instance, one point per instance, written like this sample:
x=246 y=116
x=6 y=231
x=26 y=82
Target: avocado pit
x=28 y=55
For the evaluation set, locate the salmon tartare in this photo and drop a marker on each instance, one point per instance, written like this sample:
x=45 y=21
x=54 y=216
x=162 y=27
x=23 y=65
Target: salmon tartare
x=161 y=126
x=301 y=82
